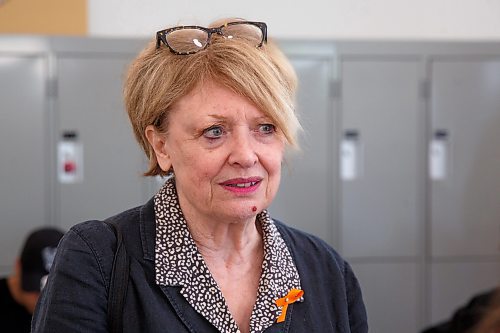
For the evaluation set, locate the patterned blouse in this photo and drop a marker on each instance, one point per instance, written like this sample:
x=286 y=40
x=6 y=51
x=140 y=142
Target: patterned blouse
x=179 y=263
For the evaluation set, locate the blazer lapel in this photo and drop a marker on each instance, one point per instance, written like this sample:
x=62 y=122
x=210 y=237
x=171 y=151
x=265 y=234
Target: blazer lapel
x=194 y=322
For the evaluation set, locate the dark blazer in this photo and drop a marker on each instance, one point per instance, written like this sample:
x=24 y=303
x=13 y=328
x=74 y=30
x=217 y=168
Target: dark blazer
x=75 y=298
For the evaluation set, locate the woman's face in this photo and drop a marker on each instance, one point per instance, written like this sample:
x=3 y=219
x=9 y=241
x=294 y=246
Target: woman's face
x=226 y=155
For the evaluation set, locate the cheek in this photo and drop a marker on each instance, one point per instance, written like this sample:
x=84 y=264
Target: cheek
x=184 y=158
x=274 y=159
x=274 y=174
x=272 y=164
x=203 y=167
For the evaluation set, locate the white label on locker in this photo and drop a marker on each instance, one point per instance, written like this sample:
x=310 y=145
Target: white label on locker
x=437 y=159
x=348 y=160
x=69 y=162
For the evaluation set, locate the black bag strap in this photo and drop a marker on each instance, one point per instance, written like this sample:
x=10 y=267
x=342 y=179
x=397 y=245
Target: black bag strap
x=118 y=283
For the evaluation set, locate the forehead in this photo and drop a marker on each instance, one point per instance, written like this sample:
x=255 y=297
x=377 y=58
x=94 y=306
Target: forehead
x=213 y=99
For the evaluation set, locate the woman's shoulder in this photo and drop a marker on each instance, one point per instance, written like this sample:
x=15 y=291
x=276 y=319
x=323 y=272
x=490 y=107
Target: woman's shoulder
x=297 y=235
x=306 y=244
x=123 y=220
x=96 y=228
x=98 y=234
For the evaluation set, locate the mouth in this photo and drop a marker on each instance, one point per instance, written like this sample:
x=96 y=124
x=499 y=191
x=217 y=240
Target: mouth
x=242 y=185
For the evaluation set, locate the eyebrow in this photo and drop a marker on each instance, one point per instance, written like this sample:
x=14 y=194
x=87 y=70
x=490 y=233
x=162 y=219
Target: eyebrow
x=224 y=118
x=216 y=116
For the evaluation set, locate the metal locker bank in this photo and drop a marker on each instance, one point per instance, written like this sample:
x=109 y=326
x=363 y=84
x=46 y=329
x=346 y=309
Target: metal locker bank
x=67 y=150
x=420 y=209
x=399 y=167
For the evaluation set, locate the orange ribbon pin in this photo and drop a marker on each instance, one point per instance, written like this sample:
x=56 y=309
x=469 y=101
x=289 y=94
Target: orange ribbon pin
x=292 y=296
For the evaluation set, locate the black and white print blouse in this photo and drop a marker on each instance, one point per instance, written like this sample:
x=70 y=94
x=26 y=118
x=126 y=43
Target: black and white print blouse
x=179 y=263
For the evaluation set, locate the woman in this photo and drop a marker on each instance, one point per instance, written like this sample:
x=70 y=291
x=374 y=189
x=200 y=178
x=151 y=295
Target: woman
x=213 y=109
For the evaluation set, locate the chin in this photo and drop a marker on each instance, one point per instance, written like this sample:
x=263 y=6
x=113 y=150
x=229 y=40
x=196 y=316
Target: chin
x=242 y=214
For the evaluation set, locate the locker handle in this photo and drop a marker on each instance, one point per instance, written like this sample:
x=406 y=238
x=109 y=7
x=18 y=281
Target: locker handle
x=350 y=155
x=69 y=135
x=441 y=134
x=69 y=158
x=438 y=155
x=351 y=134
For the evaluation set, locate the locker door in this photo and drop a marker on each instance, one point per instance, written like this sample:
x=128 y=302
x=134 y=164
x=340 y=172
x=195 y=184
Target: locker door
x=304 y=199
x=465 y=207
x=23 y=142
x=465 y=187
x=381 y=129
x=381 y=186
x=90 y=106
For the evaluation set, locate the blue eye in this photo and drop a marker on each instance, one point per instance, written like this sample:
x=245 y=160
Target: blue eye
x=267 y=128
x=213 y=132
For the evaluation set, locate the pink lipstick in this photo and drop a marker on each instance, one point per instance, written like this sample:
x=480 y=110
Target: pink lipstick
x=242 y=185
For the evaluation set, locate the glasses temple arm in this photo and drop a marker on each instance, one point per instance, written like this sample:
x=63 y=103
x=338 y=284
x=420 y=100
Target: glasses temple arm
x=158 y=40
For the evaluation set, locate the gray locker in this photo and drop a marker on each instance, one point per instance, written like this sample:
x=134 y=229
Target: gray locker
x=382 y=134
x=90 y=105
x=381 y=140
x=465 y=206
x=23 y=143
x=465 y=189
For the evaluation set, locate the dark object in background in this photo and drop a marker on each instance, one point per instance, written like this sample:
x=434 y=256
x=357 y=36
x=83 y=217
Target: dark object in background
x=19 y=292
x=466 y=317
x=37 y=256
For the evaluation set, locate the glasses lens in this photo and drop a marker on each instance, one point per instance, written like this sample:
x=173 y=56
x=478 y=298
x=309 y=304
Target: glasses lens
x=187 y=40
x=245 y=31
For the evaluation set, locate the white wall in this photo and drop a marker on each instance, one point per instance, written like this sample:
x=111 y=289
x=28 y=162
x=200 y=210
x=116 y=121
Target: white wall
x=339 y=19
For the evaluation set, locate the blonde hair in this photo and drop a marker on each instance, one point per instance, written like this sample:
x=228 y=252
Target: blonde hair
x=158 y=78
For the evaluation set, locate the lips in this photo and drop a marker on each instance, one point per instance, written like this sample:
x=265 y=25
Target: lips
x=242 y=185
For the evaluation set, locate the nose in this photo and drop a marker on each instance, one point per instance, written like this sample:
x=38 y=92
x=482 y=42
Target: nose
x=243 y=153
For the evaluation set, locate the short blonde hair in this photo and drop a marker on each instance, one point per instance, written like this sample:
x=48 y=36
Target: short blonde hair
x=158 y=78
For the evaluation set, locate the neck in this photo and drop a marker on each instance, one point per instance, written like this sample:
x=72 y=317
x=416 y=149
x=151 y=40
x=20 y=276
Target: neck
x=232 y=243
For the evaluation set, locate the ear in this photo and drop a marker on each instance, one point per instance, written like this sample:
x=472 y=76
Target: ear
x=157 y=140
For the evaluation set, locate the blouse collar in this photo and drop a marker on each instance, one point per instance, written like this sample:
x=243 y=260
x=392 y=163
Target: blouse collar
x=178 y=262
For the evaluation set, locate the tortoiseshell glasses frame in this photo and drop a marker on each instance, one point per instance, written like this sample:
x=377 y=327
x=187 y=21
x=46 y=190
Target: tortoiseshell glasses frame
x=189 y=39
